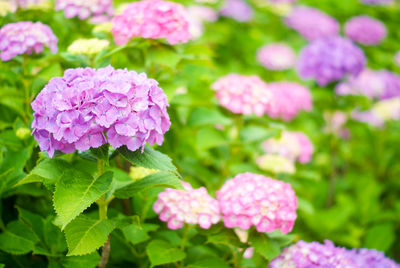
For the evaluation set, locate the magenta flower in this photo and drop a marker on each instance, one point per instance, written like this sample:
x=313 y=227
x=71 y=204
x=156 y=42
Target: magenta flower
x=243 y=94
x=330 y=59
x=152 y=19
x=288 y=99
x=312 y=23
x=327 y=255
x=276 y=56
x=251 y=199
x=25 y=37
x=191 y=206
x=365 y=30
x=237 y=9
x=84 y=9
x=380 y=84
x=74 y=112
x=293 y=145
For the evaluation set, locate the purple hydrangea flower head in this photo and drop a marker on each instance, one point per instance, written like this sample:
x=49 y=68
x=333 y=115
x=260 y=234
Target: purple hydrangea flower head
x=192 y=206
x=25 y=37
x=74 y=112
x=312 y=23
x=238 y=10
x=251 y=199
x=243 y=94
x=365 y=30
x=330 y=59
x=377 y=2
x=84 y=9
x=276 y=56
x=371 y=258
x=381 y=84
x=288 y=99
x=152 y=19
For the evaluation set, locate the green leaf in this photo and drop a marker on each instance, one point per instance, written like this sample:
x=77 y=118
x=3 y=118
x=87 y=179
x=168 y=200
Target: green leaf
x=86 y=261
x=209 y=137
x=159 y=179
x=101 y=152
x=49 y=171
x=264 y=245
x=148 y=159
x=164 y=55
x=206 y=116
x=137 y=234
x=161 y=252
x=218 y=234
x=85 y=235
x=17 y=239
x=257 y=133
x=209 y=262
x=380 y=236
x=76 y=191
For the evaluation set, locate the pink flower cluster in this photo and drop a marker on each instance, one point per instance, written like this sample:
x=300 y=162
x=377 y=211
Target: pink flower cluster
x=276 y=56
x=238 y=10
x=25 y=37
x=243 y=94
x=293 y=145
x=251 y=199
x=152 y=19
x=74 y=111
x=288 y=99
x=197 y=15
x=365 y=30
x=192 y=206
x=312 y=23
x=84 y=9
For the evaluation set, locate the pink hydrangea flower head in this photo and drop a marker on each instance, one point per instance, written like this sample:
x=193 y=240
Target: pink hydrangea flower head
x=380 y=84
x=312 y=23
x=251 y=199
x=197 y=15
x=335 y=122
x=84 y=9
x=330 y=59
x=25 y=37
x=276 y=56
x=293 y=145
x=283 y=1
x=191 y=206
x=31 y=3
x=365 y=30
x=243 y=94
x=152 y=19
x=288 y=99
x=238 y=10
x=74 y=112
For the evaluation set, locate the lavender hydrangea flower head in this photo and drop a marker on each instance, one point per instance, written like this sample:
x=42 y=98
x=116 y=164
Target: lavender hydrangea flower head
x=243 y=94
x=397 y=58
x=381 y=84
x=276 y=56
x=288 y=99
x=251 y=199
x=312 y=23
x=330 y=59
x=238 y=10
x=39 y=4
x=371 y=258
x=381 y=112
x=283 y=1
x=365 y=30
x=74 y=112
x=377 y=2
x=84 y=9
x=192 y=206
x=294 y=145
x=25 y=37
x=152 y=19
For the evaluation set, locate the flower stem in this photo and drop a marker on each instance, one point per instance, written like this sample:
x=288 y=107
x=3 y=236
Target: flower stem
x=103 y=204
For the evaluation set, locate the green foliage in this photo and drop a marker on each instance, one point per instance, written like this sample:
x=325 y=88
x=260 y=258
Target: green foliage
x=161 y=252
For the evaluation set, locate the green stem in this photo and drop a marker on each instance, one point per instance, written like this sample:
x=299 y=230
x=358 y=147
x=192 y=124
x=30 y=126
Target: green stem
x=103 y=204
x=27 y=97
x=184 y=237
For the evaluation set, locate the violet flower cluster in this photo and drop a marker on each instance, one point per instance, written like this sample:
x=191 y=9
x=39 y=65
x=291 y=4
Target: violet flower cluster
x=251 y=199
x=276 y=56
x=243 y=94
x=380 y=84
x=327 y=255
x=377 y=2
x=74 y=112
x=312 y=23
x=365 y=30
x=294 y=145
x=25 y=37
x=84 y=9
x=288 y=99
x=237 y=9
x=191 y=206
x=330 y=59
x=152 y=19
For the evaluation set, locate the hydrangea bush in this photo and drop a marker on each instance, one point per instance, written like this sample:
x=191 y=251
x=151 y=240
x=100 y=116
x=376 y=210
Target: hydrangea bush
x=199 y=133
